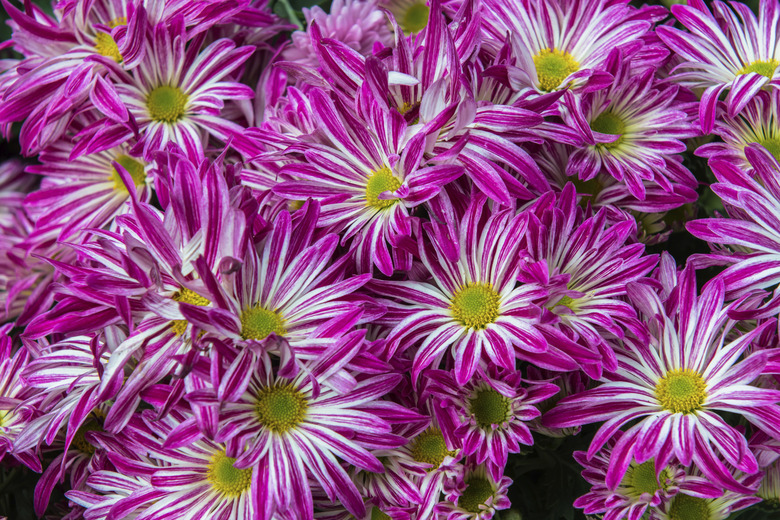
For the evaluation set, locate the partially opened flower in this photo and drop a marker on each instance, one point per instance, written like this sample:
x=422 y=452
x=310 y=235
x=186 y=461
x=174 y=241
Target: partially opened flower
x=473 y=494
x=726 y=48
x=686 y=505
x=673 y=386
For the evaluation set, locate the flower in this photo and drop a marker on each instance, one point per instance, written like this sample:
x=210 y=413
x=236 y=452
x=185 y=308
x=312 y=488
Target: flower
x=685 y=506
x=727 y=48
x=473 y=494
x=473 y=307
x=487 y=415
x=672 y=386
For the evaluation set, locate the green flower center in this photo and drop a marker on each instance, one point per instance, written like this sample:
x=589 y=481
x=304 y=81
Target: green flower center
x=226 y=478
x=554 y=66
x=681 y=391
x=166 y=104
x=686 y=507
x=80 y=441
x=257 y=323
x=475 y=305
x=429 y=447
x=376 y=514
x=609 y=123
x=640 y=478
x=135 y=168
x=281 y=408
x=478 y=491
x=765 y=68
x=489 y=407
x=187 y=296
x=772 y=145
x=380 y=181
x=412 y=18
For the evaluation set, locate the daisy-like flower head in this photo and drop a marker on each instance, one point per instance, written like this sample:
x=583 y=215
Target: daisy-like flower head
x=367 y=176
x=586 y=264
x=473 y=306
x=643 y=486
x=753 y=201
x=290 y=430
x=565 y=43
x=672 y=386
x=758 y=122
x=689 y=506
x=473 y=494
x=487 y=415
x=631 y=129
x=726 y=48
x=177 y=91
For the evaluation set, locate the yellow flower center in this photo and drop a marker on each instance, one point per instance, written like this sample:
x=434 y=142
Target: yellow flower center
x=135 y=168
x=281 y=408
x=166 y=104
x=686 y=507
x=489 y=407
x=478 y=491
x=105 y=44
x=380 y=181
x=475 y=305
x=257 y=323
x=429 y=447
x=681 y=391
x=553 y=66
x=186 y=296
x=765 y=68
x=609 y=123
x=226 y=478
x=640 y=478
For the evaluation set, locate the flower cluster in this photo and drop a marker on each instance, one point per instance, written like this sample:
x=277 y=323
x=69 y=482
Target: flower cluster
x=361 y=269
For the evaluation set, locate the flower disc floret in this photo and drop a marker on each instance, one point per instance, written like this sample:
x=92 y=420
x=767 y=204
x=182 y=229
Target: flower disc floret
x=489 y=407
x=80 y=441
x=166 y=104
x=257 y=323
x=686 y=507
x=765 y=68
x=185 y=296
x=281 y=408
x=475 y=305
x=429 y=447
x=226 y=478
x=380 y=181
x=640 y=479
x=553 y=66
x=609 y=123
x=478 y=491
x=772 y=145
x=106 y=46
x=134 y=167
x=681 y=391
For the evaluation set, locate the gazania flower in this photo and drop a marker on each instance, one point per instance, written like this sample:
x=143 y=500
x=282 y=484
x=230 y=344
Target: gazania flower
x=728 y=48
x=487 y=415
x=758 y=122
x=562 y=44
x=290 y=430
x=473 y=306
x=175 y=94
x=473 y=494
x=643 y=487
x=672 y=386
x=753 y=201
x=633 y=129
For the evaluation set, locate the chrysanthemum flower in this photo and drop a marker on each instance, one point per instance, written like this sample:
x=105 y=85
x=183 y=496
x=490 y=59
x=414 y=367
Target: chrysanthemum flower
x=672 y=387
x=754 y=202
x=728 y=48
x=367 y=178
x=473 y=307
x=758 y=122
x=642 y=487
x=585 y=264
x=561 y=44
x=473 y=494
x=290 y=430
x=175 y=94
x=487 y=415
x=411 y=15
x=686 y=506
x=633 y=129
